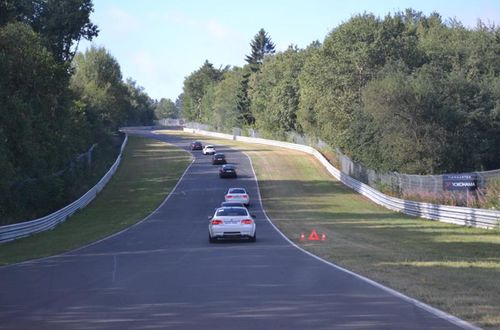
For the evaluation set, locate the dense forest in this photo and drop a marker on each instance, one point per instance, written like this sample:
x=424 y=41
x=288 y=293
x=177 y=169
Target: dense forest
x=56 y=103
x=408 y=92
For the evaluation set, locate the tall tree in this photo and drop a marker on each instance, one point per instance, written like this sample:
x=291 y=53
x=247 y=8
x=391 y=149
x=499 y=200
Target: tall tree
x=196 y=86
x=179 y=103
x=140 y=108
x=244 y=101
x=261 y=45
x=98 y=83
x=274 y=92
x=228 y=96
x=60 y=23
x=166 y=108
x=31 y=102
x=37 y=131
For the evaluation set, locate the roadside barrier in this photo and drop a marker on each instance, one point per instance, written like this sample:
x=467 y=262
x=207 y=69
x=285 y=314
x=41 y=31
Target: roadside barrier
x=27 y=228
x=482 y=218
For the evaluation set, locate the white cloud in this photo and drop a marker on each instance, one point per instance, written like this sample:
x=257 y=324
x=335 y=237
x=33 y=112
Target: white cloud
x=181 y=19
x=218 y=31
x=214 y=28
x=122 y=21
x=144 y=63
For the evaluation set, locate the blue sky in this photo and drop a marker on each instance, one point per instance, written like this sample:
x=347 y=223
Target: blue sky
x=159 y=42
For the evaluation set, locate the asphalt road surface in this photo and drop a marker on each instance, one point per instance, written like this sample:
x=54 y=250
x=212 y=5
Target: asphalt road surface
x=163 y=273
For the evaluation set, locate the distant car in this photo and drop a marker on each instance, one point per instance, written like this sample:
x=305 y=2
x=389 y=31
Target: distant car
x=196 y=145
x=218 y=159
x=209 y=150
x=231 y=223
x=228 y=171
x=232 y=204
x=237 y=195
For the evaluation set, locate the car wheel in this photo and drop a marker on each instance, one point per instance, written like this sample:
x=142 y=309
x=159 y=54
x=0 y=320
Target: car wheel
x=211 y=239
x=254 y=238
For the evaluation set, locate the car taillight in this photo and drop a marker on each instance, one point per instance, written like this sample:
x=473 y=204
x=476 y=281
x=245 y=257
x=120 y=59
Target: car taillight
x=229 y=196
x=245 y=196
x=217 y=222
x=247 y=222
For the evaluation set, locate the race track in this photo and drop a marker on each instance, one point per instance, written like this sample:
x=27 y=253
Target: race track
x=164 y=274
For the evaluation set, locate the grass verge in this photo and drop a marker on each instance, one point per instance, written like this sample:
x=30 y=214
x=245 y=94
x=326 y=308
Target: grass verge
x=453 y=268
x=148 y=172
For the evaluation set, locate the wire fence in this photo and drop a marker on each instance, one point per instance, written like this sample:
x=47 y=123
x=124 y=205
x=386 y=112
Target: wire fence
x=81 y=161
x=397 y=184
x=28 y=198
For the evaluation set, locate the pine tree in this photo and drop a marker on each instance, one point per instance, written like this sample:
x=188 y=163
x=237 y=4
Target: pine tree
x=261 y=46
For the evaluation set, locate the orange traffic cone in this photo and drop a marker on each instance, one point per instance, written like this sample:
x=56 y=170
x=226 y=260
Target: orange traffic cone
x=323 y=237
x=302 y=237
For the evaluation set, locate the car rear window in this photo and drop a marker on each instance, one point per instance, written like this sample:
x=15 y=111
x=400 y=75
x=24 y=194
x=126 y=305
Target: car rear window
x=231 y=212
x=237 y=191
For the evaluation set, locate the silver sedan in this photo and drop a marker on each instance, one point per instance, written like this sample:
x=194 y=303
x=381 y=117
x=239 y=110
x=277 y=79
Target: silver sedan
x=231 y=223
x=237 y=195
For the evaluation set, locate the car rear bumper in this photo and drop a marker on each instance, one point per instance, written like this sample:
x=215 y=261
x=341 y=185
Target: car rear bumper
x=232 y=233
x=238 y=200
x=228 y=175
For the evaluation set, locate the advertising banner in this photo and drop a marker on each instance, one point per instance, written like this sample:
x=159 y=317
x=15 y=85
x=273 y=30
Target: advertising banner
x=464 y=182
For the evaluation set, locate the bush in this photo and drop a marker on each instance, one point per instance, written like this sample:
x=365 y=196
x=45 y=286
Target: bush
x=489 y=198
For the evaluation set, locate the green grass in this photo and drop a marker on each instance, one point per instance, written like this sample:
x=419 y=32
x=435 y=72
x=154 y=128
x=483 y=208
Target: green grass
x=148 y=172
x=453 y=268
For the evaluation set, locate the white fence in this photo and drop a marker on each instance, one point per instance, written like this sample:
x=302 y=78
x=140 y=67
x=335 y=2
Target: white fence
x=23 y=229
x=452 y=214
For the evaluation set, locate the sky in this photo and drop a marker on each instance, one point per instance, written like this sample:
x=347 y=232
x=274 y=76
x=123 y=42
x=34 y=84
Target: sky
x=159 y=42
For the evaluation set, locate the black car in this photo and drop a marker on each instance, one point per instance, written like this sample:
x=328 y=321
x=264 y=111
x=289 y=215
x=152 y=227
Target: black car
x=218 y=159
x=196 y=145
x=227 y=171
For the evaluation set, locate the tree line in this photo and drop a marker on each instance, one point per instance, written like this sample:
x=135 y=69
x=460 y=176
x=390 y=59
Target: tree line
x=407 y=92
x=54 y=101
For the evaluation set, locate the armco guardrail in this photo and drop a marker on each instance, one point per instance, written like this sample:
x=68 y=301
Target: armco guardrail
x=23 y=229
x=451 y=214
